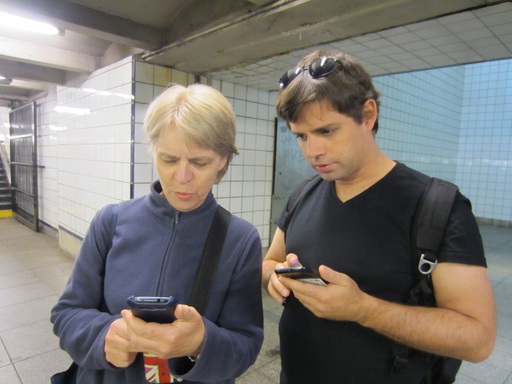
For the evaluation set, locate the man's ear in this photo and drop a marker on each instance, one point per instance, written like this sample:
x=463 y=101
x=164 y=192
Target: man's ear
x=370 y=113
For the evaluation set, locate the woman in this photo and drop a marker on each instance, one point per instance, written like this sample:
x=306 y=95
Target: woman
x=156 y=250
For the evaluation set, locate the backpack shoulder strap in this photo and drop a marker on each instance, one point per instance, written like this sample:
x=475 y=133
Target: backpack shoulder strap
x=210 y=260
x=427 y=233
x=297 y=196
x=430 y=222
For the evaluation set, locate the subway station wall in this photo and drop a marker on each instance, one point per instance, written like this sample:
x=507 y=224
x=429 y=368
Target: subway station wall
x=93 y=149
x=453 y=123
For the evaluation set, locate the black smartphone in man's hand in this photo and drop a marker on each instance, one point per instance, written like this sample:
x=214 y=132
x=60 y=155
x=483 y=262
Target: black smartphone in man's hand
x=304 y=274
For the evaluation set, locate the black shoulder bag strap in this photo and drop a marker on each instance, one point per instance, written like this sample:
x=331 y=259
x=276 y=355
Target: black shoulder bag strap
x=297 y=195
x=210 y=260
x=426 y=236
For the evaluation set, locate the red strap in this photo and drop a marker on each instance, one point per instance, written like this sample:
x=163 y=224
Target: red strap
x=156 y=370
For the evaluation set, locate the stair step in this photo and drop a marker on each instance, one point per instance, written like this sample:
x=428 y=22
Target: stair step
x=5 y=194
x=5 y=199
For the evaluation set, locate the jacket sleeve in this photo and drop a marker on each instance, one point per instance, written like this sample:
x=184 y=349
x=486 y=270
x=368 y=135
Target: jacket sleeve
x=80 y=318
x=232 y=340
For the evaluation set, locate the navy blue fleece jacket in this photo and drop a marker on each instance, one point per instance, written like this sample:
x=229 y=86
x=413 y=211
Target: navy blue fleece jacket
x=155 y=252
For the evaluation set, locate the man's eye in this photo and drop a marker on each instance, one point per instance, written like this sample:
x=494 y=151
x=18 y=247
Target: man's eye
x=300 y=137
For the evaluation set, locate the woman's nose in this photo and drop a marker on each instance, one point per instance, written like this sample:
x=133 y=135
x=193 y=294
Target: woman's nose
x=183 y=173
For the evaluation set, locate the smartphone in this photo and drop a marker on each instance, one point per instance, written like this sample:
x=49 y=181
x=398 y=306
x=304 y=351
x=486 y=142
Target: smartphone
x=304 y=274
x=153 y=309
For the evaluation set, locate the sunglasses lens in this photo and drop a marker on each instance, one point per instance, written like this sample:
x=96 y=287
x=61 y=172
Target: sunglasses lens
x=322 y=67
x=288 y=77
x=319 y=68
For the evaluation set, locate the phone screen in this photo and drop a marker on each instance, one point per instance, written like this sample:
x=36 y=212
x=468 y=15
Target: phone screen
x=153 y=309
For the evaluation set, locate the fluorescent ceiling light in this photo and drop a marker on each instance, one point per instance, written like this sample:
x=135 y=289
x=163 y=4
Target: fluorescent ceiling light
x=72 y=110
x=12 y=21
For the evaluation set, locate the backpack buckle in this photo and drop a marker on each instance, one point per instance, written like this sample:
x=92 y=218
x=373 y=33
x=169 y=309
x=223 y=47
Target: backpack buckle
x=426 y=266
x=399 y=364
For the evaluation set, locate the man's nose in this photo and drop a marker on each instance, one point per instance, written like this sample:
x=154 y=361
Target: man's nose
x=314 y=147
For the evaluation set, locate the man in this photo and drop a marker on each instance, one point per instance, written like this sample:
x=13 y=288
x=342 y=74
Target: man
x=354 y=228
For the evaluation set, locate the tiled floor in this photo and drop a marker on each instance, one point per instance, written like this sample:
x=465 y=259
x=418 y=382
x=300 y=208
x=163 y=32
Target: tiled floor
x=33 y=271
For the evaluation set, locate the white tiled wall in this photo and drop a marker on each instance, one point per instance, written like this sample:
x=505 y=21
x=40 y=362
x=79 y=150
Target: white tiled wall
x=48 y=159
x=4 y=130
x=485 y=149
x=4 y=124
x=246 y=190
x=453 y=123
x=85 y=147
x=93 y=149
x=420 y=119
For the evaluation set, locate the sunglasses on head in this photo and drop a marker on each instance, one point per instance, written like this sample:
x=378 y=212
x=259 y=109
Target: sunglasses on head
x=316 y=69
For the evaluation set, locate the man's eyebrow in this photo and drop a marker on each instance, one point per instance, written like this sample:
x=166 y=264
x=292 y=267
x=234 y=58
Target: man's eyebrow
x=318 y=129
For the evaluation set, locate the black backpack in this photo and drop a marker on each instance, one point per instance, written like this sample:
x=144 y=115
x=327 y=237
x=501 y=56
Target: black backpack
x=426 y=236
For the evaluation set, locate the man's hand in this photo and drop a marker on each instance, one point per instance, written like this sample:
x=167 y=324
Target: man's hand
x=275 y=288
x=463 y=325
x=340 y=300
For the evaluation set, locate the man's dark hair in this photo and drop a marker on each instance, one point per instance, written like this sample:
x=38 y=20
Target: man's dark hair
x=347 y=88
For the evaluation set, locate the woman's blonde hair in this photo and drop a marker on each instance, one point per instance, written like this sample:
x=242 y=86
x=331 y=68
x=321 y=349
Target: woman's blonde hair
x=202 y=113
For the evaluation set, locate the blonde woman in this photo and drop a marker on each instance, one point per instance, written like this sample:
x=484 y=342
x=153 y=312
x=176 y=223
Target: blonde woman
x=156 y=250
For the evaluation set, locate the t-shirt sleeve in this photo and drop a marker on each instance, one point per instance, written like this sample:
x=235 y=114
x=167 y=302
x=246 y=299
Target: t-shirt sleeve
x=462 y=242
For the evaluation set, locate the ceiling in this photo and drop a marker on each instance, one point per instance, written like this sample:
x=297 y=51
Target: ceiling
x=249 y=42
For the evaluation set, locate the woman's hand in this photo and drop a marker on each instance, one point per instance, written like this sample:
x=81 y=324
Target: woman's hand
x=183 y=337
x=117 y=345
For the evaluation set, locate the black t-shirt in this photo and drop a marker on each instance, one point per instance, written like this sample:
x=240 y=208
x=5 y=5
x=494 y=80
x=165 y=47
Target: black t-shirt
x=368 y=238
